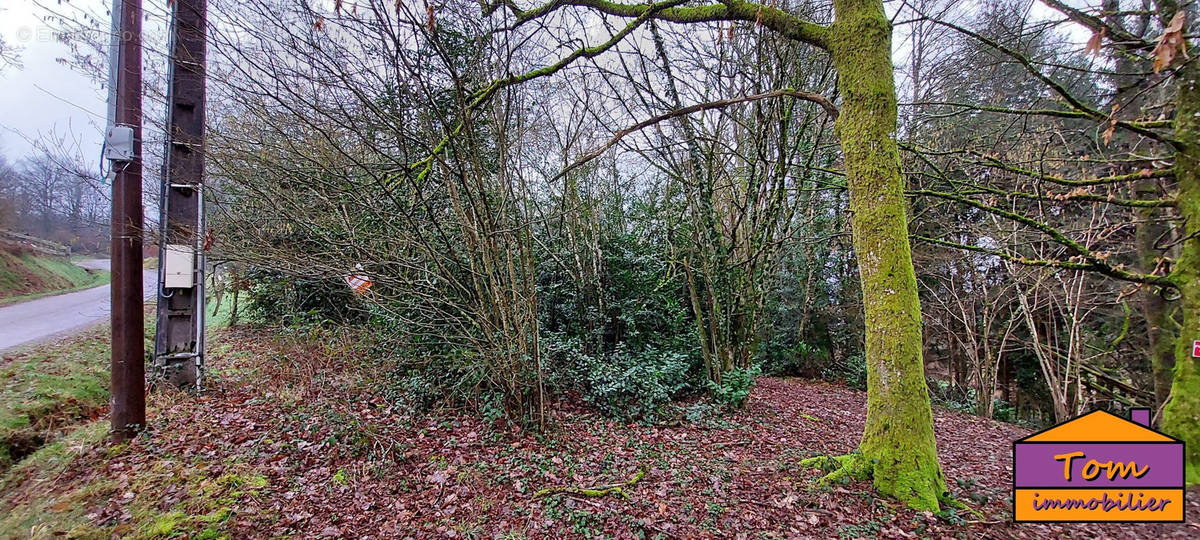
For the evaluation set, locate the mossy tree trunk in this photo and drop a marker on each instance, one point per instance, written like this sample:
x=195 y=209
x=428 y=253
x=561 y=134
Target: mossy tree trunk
x=1181 y=416
x=1130 y=99
x=1156 y=309
x=898 y=447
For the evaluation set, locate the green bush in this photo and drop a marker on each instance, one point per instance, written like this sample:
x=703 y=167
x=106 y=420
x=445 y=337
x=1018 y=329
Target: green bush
x=455 y=378
x=851 y=370
x=1004 y=411
x=279 y=299
x=639 y=385
x=449 y=378
x=624 y=383
x=788 y=358
x=735 y=387
x=957 y=398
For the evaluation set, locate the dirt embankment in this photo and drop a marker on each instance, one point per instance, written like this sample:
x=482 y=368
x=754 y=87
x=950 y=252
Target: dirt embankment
x=24 y=272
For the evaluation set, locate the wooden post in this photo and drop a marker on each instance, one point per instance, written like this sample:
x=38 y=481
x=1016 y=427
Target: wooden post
x=128 y=350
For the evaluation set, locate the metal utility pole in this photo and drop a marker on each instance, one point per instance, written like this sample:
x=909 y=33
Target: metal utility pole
x=124 y=150
x=179 y=338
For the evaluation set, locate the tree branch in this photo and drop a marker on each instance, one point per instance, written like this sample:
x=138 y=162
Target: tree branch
x=1096 y=24
x=1149 y=279
x=719 y=104
x=771 y=17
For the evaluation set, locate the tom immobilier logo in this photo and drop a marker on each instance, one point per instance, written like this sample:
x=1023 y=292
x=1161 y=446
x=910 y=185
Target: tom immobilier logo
x=1099 y=467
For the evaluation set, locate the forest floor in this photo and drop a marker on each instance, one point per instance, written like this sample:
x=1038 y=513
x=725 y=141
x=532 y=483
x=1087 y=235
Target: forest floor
x=292 y=438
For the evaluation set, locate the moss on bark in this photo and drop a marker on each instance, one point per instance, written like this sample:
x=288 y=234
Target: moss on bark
x=1181 y=416
x=898 y=447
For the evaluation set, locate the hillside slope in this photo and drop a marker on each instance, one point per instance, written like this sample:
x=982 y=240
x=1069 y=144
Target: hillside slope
x=24 y=273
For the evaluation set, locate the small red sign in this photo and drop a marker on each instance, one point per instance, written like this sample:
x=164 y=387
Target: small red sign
x=1196 y=349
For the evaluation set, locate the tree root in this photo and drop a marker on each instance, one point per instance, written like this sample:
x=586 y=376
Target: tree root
x=597 y=491
x=955 y=503
x=856 y=467
x=852 y=466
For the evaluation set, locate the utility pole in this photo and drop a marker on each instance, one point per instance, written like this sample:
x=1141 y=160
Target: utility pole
x=179 y=337
x=123 y=148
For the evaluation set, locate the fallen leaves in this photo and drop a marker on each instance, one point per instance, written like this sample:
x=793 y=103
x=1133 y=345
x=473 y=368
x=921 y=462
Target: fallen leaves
x=448 y=474
x=1170 y=43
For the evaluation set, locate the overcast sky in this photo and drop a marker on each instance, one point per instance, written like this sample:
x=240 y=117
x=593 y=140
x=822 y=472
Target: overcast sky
x=44 y=97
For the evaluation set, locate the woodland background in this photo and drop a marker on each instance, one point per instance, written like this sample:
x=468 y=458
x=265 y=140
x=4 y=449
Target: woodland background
x=708 y=246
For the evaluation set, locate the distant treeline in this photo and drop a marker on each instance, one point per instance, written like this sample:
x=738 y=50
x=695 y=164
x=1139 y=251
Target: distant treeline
x=55 y=199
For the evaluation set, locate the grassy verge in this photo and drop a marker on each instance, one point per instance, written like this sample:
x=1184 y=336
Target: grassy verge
x=100 y=277
x=49 y=389
x=39 y=472
x=71 y=485
x=217 y=314
x=26 y=276
x=53 y=399
x=165 y=498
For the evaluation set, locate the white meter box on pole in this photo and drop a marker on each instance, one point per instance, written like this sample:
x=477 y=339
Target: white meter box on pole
x=180 y=267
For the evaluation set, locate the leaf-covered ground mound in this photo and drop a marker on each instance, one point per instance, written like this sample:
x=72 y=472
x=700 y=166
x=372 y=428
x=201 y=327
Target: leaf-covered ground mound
x=294 y=439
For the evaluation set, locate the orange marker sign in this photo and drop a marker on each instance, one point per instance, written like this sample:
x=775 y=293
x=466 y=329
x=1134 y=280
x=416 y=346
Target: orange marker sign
x=359 y=283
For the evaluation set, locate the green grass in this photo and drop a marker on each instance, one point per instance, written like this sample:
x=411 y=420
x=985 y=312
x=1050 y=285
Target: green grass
x=101 y=278
x=49 y=492
x=213 y=490
x=66 y=510
x=49 y=275
x=48 y=387
x=46 y=390
x=217 y=316
x=63 y=268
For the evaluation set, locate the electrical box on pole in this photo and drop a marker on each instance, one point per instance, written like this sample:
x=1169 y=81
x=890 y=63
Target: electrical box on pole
x=179 y=266
x=118 y=143
x=179 y=336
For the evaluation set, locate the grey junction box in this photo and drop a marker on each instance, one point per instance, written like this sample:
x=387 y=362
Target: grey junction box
x=118 y=143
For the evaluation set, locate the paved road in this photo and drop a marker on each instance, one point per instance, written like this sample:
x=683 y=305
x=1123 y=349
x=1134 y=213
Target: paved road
x=52 y=316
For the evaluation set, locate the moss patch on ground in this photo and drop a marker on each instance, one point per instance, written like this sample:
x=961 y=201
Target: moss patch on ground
x=57 y=511
x=49 y=387
x=70 y=481
x=169 y=497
